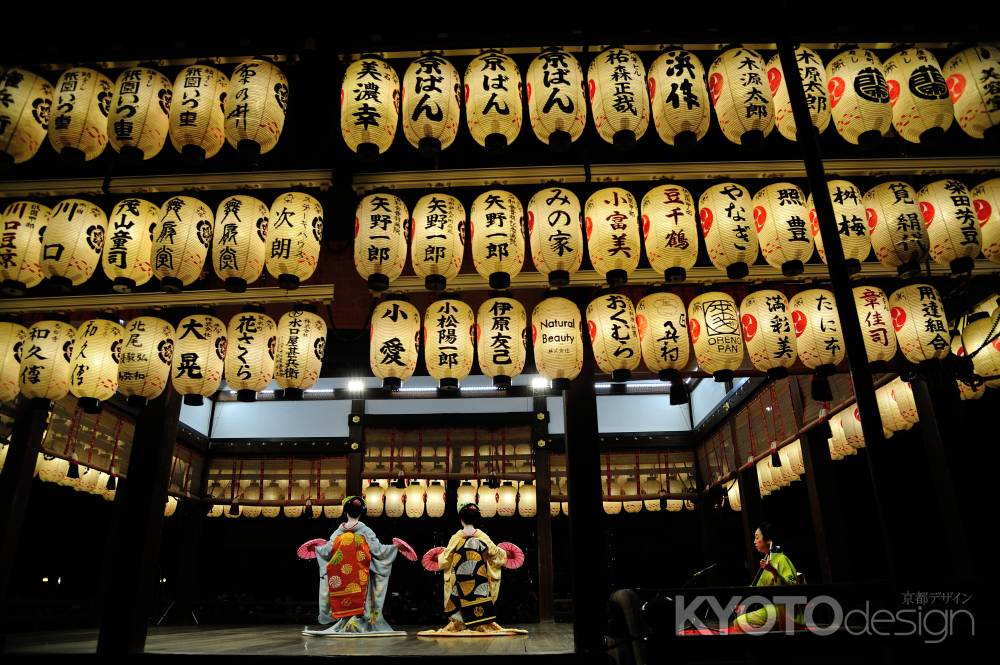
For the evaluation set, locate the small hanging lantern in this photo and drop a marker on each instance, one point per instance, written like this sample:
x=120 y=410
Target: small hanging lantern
x=501 y=327
x=72 y=242
x=374 y=497
x=556 y=334
x=617 y=81
x=414 y=498
x=250 y=359
x=369 y=106
x=675 y=505
x=981 y=340
x=487 y=501
x=850 y=423
x=678 y=98
x=898 y=235
x=733 y=494
x=670 y=231
x=888 y=411
x=466 y=493
x=395 y=339
x=974 y=389
x=986 y=201
x=527 y=504
x=813 y=78
x=197 y=116
x=849 y=217
x=129 y=246
x=875 y=320
x=449 y=341
x=493 y=100
x=239 y=243
x=651 y=489
x=335 y=511
x=438 y=229
x=557 y=104
x=779 y=215
x=27 y=105
x=78 y=126
x=714 y=325
x=299 y=351
x=255 y=107
x=93 y=376
x=741 y=96
x=555 y=230
x=507 y=499
x=496 y=231
x=614 y=335
x=171 y=506
x=380 y=237
x=919 y=320
x=199 y=357
x=663 y=332
x=859 y=97
x=432 y=103
x=294 y=233
x=902 y=393
x=971 y=80
x=12 y=339
x=921 y=110
x=819 y=338
x=435 y=499
x=613 y=242
x=730 y=233
x=180 y=242
x=21 y=246
x=45 y=360
x=952 y=227
x=631 y=488
x=139 y=119
x=146 y=360
x=612 y=500
x=272 y=492
x=767 y=331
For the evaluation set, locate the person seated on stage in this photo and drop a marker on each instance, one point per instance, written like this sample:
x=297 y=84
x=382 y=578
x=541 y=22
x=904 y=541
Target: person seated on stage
x=775 y=569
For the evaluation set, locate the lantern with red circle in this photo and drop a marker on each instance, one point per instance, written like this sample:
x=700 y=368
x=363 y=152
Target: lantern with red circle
x=728 y=226
x=493 y=100
x=617 y=81
x=952 y=227
x=921 y=110
x=614 y=336
x=501 y=326
x=898 y=235
x=670 y=231
x=432 y=103
x=714 y=326
x=611 y=217
x=678 y=97
x=986 y=202
x=556 y=235
x=849 y=218
x=971 y=80
x=813 y=77
x=779 y=215
x=859 y=97
x=876 y=324
x=742 y=97
x=438 y=239
x=661 y=319
x=819 y=336
x=496 y=231
x=767 y=332
x=557 y=103
x=918 y=317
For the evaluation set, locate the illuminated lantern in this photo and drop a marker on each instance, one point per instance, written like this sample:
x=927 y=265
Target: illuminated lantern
x=986 y=201
x=45 y=360
x=217 y=510
x=335 y=511
x=921 y=110
x=374 y=497
x=199 y=357
x=414 y=498
x=651 y=488
x=714 y=326
x=129 y=245
x=527 y=504
x=171 y=506
x=435 y=499
x=557 y=104
x=250 y=359
x=438 y=239
x=971 y=77
x=93 y=376
x=555 y=231
x=487 y=501
x=294 y=233
x=767 y=331
x=974 y=389
x=432 y=103
x=795 y=457
x=849 y=218
x=859 y=97
x=394 y=506
x=196 y=112
x=734 y=497
x=255 y=107
x=139 y=119
x=850 y=422
x=981 y=340
x=612 y=223
x=27 y=106
x=72 y=242
x=180 y=242
x=299 y=351
x=741 y=96
x=729 y=229
x=902 y=394
x=380 y=238
x=839 y=447
x=898 y=235
x=507 y=499
x=496 y=231
x=919 y=320
x=501 y=327
x=21 y=249
x=296 y=509
x=779 y=215
x=617 y=81
x=818 y=336
x=493 y=100
x=78 y=125
x=662 y=323
x=631 y=488
x=369 y=106
x=813 y=80
x=675 y=505
x=875 y=320
x=892 y=420
x=271 y=493
x=239 y=245
x=614 y=335
x=670 y=231
x=952 y=227
x=146 y=359
x=449 y=341
x=395 y=338
x=466 y=493
x=767 y=485
x=612 y=492
x=51 y=469
x=678 y=99
x=12 y=339
x=556 y=334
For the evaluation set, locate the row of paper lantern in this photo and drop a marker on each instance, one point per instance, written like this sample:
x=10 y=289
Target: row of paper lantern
x=102 y=357
x=651 y=488
x=171 y=242
x=300 y=498
x=863 y=97
x=200 y=111
x=394 y=500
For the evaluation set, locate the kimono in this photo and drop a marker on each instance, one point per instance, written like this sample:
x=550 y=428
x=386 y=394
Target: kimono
x=471 y=566
x=756 y=619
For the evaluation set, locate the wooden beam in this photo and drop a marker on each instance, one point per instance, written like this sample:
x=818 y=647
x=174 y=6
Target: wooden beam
x=356 y=443
x=543 y=521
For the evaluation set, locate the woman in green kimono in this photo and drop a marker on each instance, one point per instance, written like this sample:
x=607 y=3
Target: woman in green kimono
x=775 y=569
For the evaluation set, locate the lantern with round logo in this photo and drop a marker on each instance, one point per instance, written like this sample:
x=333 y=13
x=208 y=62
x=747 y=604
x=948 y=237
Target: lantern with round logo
x=678 y=98
x=199 y=357
x=197 y=119
x=72 y=243
x=139 y=119
x=557 y=105
x=670 y=231
x=438 y=239
x=556 y=235
x=611 y=218
x=127 y=251
x=449 y=341
x=501 y=326
x=849 y=219
x=250 y=358
x=767 y=331
x=813 y=77
x=395 y=339
x=952 y=228
x=299 y=351
x=239 y=241
x=921 y=110
x=663 y=333
x=876 y=325
x=743 y=102
x=971 y=79
x=493 y=100
x=147 y=356
x=93 y=376
x=45 y=360
x=714 y=326
x=859 y=97
x=255 y=107
x=729 y=229
x=27 y=107
x=986 y=202
x=78 y=125
x=496 y=231
x=819 y=337
x=12 y=339
x=294 y=234
x=898 y=235
x=918 y=318
x=614 y=335
x=617 y=84
x=432 y=103
x=779 y=215
x=556 y=334
x=369 y=106
x=21 y=249
x=180 y=242
x=380 y=236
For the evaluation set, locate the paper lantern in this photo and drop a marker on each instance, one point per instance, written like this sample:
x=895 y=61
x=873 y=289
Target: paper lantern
x=501 y=327
x=293 y=512
x=414 y=498
x=795 y=457
x=618 y=98
x=678 y=98
x=714 y=326
x=849 y=217
x=139 y=118
x=27 y=103
x=631 y=488
x=438 y=228
x=651 y=488
x=902 y=394
x=128 y=248
x=974 y=389
x=611 y=506
x=527 y=504
x=764 y=480
x=819 y=337
x=233 y=511
x=554 y=508
x=733 y=494
x=493 y=100
x=21 y=246
x=334 y=512
x=613 y=242
x=971 y=78
x=294 y=233
x=395 y=338
x=556 y=334
x=45 y=360
x=299 y=351
x=813 y=78
x=380 y=238
x=730 y=232
x=742 y=98
x=12 y=339
x=555 y=230
x=768 y=333
x=449 y=341
x=921 y=110
x=250 y=357
x=255 y=106
x=72 y=242
x=898 y=235
x=51 y=469
x=661 y=319
x=217 y=510
x=496 y=231
x=675 y=505
x=557 y=104
x=507 y=499
x=239 y=242
x=432 y=103
x=180 y=242
x=986 y=201
x=78 y=127
x=197 y=116
x=487 y=501
x=614 y=335
x=199 y=357
x=670 y=231
x=850 y=422
x=779 y=215
x=466 y=493
x=435 y=499
x=919 y=321
x=272 y=492
x=981 y=340
x=859 y=97
x=93 y=376
x=876 y=323
x=952 y=227
x=374 y=497
x=146 y=360
x=171 y=506
x=839 y=448
x=888 y=410
x=369 y=106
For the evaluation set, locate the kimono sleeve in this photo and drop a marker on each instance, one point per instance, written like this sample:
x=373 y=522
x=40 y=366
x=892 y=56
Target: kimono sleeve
x=786 y=571
x=380 y=552
x=324 y=551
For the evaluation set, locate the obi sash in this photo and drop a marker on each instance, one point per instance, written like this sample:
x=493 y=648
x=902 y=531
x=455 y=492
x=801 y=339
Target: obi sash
x=471 y=593
x=347 y=575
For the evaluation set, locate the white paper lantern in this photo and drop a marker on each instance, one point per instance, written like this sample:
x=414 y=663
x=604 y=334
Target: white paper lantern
x=250 y=356
x=678 y=98
x=414 y=497
x=72 y=242
x=971 y=78
x=334 y=512
x=255 y=107
x=139 y=119
x=631 y=488
x=501 y=329
x=918 y=95
x=395 y=338
x=730 y=232
x=435 y=499
x=902 y=393
x=675 y=505
x=507 y=499
x=493 y=100
x=197 y=117
x=272 y=492
x=496 y=231
x=374 y=497
x=898 y=235
x=849 y=217
x=369 y=106
x=767 y=331
x=651 y=490
x=975 y=389
x=180 y=242
x=614 y=335
x=661 y=319
x=27 y=103
x=612 y=506
x=294 y=233
x=93 y=376
x=819 y=336
x=12 y=339
x=813 y=77
x=859 y=97
x=555 y=229
x=129 y=245
x=45 y=360
x=670 y=231
x=952 y=227
x=733 y=494
x=466 y=493
x=892 y=419
x=199 y=357
x=986 y=201
x=147 y=356
x=438 y=228
x=299 y=351
x=380 y=238
x=613 y=243
x=919 y=320
x=527 y=504
x=78 y=125
x=780 y=218
x=714 y=325
x=239 y=242
x=557 y=104
x=876 y=323
x=488 y=501
x=850 y=422
x=981 y=340
x=617 y=81
x=432 y=103
x=556 y=334
x=449 y=341
x=742 y=98
x=21 y=245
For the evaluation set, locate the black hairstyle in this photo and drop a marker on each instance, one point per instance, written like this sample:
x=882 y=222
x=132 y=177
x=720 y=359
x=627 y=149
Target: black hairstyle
x=769 y=532
x=469 y=513
x=354 y=507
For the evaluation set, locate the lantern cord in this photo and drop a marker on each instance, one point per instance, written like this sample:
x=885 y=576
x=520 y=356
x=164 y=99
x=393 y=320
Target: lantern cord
x=114 y=448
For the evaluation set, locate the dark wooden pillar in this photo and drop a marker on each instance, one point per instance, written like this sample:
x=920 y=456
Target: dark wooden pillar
x=543 y=522
x=356 y=443
x=751 y=511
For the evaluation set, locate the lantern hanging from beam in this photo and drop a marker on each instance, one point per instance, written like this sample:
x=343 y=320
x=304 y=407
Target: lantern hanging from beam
x=255 y=107
x=250 y=358
x=849 y=218
x=613 y=242
x=294 y=233
x=139 y=119
x=556 y=334
x=374 y=498
x=449 y=341
x=670 y=231
x=971 y=80
x=780 y=218
x=395 y=339
x=678 y=98
x=813 y=77
x=21 y=246
x=197 y=118
x=918 y=318
x=714 y=326
x=651 y=490
x=496 y=231
x=728 y=226
x=147 y=355
x=199 y=357
x=921 y=110
x=12 y=339
x=369 y=106
x=952 y=227
x=438 y=244
x=767 y=331
x=898 y=235
x=527 y=503
x=986 y=201
x=432 y=103
x=902 y=393
x=507 y=499
x=614 y=335
x=818 y=336
x=180 y=242
x=239 y=243
x=45 y=360
x=129 y=245
x=93 y=376
x=981 y=340
x=556 y=234
x=78 y=125
x=380 y=237
x=487 y=500
x=859 y=97
x=72 y=242
x=617 y=81
x=493 y=100
x=557 y=104
x=876 y=323
x=466 y=493
x=501 y=327
x=414 y=498
x=742 y=97
x=435 y=499
x=661 y=319
x=299 y=351
x=27 y=107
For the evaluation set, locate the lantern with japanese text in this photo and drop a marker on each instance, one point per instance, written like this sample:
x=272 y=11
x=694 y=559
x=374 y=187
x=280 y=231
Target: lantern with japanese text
x=813 y=77
x=432 y=103
x=767 y=331
x=438 y=239
x=294 y=233
x=239 y=241
x=557 y=103
x=921 y=110
x=556 y=333
x=613 y=243
x=139 y=119
x=714 y=326
x=875 y=320
x=12 y=339
x=678 y=98
x=374 y=498
x=859 y=97
x=981 y=339
x=93 y=376
x=78 y=125
x=849 y=218
x=952 y=228
x=147 y=356
x=21 y=246
x=614 y=335
x=898 y=235
x=72 y=242
x=250 y=358
x=971 y=77
x=45 y=360
x=369 y=106
x=663 y=333
x=255 y=106
x=617 y=82
x=819 y=337
x=742 y=97
x=493 y=100
x=299 y=351
x=449 y=341
x=180 y=242
x=395 y=339
x=556 y=235
x=127 y=250
x=670 y=231
x=501 y=326
x=199 y=357
x=496 y=231
x=197 y=116
x=919 y=320
x=435 y=499
x=380 y=236
x=779 y=215
x=986 y=201
x=27 y=105
x=730 y=233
